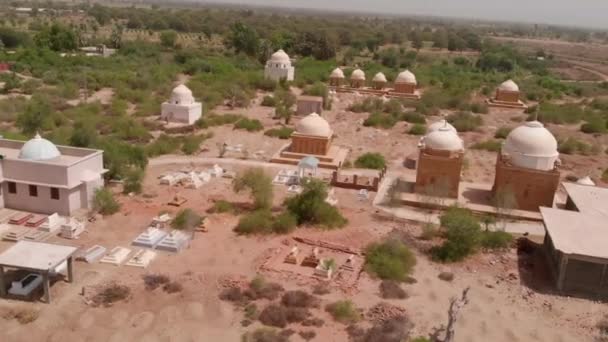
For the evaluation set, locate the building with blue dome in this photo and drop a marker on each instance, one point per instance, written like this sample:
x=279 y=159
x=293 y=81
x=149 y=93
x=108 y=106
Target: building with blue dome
x=40 y=177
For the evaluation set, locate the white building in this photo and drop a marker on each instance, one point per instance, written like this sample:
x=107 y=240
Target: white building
x=39 y=177
x=531 y=146
x=181 y=107
x=279 y=67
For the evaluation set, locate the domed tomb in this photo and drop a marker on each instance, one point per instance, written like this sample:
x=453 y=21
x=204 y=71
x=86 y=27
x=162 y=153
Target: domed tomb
x=313 y=125
x=406 y=83
x=507 y=96
x=439 y=124
x=379 y=81
x=279 y=67
x=357 y=78
x=181 y=108
x=531 y=146
x=444 y=139
x=336 y=77
x=39 y=149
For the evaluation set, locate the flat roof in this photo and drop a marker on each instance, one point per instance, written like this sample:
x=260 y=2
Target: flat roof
x=10 y=149
x=36 y=256
x=588 y=199
x=573 y=232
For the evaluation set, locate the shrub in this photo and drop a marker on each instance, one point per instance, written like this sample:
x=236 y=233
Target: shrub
x=300 y=299
x=268 y=101
x=281 y=133
x=258 y=183
x=153 y=281
x=321 y=289
x=488 y=145
x=371 y=160
x=173 y=287
x=396 y=329
x=186 y=219
x=496 y=239
x=250 y=125
x=465 y=121
x=463 y=235
x=22 y=315
x=211 y=120
x=264 y=335
x=446 y=276
x=232 y=294
x=417 y=129
x=256 y=222
x=110 y=294
x=429 y=232
x=274 y=315
x=192 y=143
x=594 y=125
x=309 y=207
x=480 y=108
x=502 y=132
x=605 y=176
x=380 y=120
x=344 y=311
x=392 y=290
x=284 y=223
x=573 y=145
x=414 y=117
x=389 y=260
x=259 y=288
x=307 y=335
x=251 y=311
x=221 y=206
x=104 y=202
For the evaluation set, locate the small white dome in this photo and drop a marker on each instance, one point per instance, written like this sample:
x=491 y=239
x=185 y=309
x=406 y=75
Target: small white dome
x=406 y=77
x=280 y=57
x=314 y=125
x=532 y=146
x=39 y=148
x=443 y=139
x=181 y=95
x=585 y=181
x=337 y=73
x=358 y=75
x=509 y=86
x=439 y=124
x=379 y=77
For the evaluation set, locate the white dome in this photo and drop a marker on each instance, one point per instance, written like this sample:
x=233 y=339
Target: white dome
x=337 y=73
x=509 y=86
x=358 y=75
x=315 y=125
x=39 y=149
x=439 y=124
x=531 y=146
x=379 y=78
x=585 y=181
x=181 y=95
x=443 y=139
x=406 y=77
x=280 y=57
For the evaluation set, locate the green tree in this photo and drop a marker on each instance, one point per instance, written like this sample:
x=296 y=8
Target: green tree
x=416 y=39
x=463 y=235
x=259 y=184
x=310 y=206
x=390 y=260
x=57 y=37
x=243 y=38
x=168 y=38
x=371 y=160
x=104 y=202
x=36 y=117
x=440 y=39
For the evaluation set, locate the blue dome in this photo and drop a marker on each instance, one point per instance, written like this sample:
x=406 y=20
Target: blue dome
x=39 y=149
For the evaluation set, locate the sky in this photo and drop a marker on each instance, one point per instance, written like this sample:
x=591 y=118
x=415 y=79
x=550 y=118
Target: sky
x=583 y=13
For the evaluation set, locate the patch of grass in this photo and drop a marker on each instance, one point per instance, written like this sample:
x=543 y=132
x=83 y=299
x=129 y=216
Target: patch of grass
x=417 y=129
x=211 y=120
x=264 y=335
x=111 y=294
x=153 y=281
x=281 y=133
x=268 y=101
x=574 y=146
x=465 y=121
x=389 y=260
x=496 y=240
x=222 y=206
x=344 y=311
x=22 y=315
x=491 y=145
x=381 y=120
x=104 y=202
x=371 y=160
x=429 y=232
x=502 y=132
x=186 y=219
x=250 y=125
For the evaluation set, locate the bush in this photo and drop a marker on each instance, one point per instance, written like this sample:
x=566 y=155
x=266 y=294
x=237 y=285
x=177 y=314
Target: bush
x=221 y=206
x=605 y=176
x=259 y=288
x=344 y=311
x=284 y=223
x=389 y=260
x=211 y=120
x=153 y=281
x=281 y=133
x=480 y=108
x=574 y=146
x=173 y=287
x=392 y=290
x=300 y=299
x=309 y=207
x=371 y=160
x=417 y=129
x=488 y=145
x=463 y=235
x=268 y=101
x=186 y=219
x=256 y=222
x=594 y=125
x=259 y=185
x=446 y=276
x=496 y=239
x=110 y=294
x=465 y=121
x=414 y=117
x=250 y=125
x=279 y=316
x=104 y=202
x=429 y=232
x=264 y=335
x=502 y=132
x=381 y=120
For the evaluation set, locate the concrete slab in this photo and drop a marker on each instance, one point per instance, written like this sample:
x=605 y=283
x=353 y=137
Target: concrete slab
x=116 y=256
x=149 y=238
x=142 y=258
x=92 y=254
x=174 y=241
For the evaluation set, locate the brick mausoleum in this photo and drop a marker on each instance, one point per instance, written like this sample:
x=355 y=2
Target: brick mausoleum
x=507 y=96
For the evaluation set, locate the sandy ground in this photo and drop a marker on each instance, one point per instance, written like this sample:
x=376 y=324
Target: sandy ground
x=501 y=308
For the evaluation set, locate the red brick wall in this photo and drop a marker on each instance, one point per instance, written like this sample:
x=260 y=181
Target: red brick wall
x=507 y=96
x=407 y=88
x=309 y=145
x=438 y=172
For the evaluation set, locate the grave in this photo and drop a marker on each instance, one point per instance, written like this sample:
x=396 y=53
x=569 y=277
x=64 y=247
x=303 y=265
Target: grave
x=116 y=256
x=174 y=241
x=92 y=254
x=161 y=221
x=15 y=233
x=72 y=228
x=37 y=235
x=322 y=271
x=141 y=258
x=35 y=221
x=52 y=223
x=216 y=171
x=20 y=218
x=177 y=201
x=292 y=257
x=149 y=237
x=311 y=260
x=348 y=264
